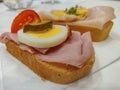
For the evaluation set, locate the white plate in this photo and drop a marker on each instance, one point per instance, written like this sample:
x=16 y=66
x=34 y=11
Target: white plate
x=1 y=82
x=17 y=76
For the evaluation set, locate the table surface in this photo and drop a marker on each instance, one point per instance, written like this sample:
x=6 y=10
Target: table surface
x=105 y=73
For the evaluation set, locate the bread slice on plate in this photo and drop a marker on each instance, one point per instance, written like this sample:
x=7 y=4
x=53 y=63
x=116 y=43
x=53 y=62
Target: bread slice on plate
x=55 y=72
x=96 y=34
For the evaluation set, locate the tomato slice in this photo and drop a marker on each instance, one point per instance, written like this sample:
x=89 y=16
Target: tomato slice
x=25 y=17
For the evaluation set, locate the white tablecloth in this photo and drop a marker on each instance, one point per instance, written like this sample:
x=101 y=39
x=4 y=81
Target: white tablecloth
x=15 y=76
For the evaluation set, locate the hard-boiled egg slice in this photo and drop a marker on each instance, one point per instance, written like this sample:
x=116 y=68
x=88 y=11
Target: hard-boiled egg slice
x=46 y=39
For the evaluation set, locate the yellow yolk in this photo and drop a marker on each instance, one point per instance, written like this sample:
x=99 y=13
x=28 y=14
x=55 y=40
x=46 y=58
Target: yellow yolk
x=81 y=11
x=59 y=13
x=46 y=34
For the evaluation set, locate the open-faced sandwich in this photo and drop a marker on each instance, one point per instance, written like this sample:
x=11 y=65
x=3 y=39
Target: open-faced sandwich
x=97 y=20
x=52 y=51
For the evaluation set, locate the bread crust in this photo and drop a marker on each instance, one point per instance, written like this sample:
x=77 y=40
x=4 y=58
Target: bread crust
x=55 y=72
x=96 y=34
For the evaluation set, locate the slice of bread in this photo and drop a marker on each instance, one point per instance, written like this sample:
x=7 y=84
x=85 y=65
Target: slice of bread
x=96 y=34
x=55 y=72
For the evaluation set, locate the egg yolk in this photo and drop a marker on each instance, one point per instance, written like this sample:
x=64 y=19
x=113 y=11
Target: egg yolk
x=80 y=12
x=46 y=34
x=59 y=13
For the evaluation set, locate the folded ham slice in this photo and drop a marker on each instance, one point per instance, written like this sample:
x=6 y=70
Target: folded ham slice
x=5 y=37
x=97 y=17
x=76 y=50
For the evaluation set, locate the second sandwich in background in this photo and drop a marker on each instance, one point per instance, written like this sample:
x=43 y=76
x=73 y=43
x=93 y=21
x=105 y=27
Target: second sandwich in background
x=97 y=20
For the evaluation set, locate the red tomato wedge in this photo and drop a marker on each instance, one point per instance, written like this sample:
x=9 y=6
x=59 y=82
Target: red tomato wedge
x=25 y=17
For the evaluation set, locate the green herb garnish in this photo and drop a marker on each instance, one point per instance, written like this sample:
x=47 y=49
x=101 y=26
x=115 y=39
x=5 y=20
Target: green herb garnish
x=72 y=10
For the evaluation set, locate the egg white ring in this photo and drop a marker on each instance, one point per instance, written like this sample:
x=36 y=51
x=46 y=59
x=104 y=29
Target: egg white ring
x=43 y=42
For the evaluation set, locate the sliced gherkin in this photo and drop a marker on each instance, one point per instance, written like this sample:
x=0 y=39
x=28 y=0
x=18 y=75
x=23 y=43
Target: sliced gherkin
x=44 y=25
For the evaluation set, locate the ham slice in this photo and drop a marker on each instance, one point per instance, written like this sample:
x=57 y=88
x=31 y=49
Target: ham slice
x=76 y=50
x=5 y=37
x=97 y=17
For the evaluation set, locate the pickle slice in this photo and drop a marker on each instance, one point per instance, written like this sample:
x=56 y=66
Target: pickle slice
x=42 y=26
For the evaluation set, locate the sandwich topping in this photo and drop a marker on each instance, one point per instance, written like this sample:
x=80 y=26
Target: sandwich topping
x=51 y=43
x=98 y=16
x=46 y=39
x=25 y=17
x=75 y=51
x=95 y=17
x=67 y=15
x=77 y=11
x=42 y=26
